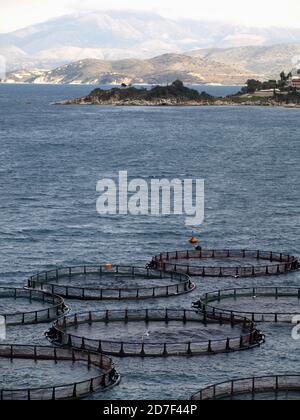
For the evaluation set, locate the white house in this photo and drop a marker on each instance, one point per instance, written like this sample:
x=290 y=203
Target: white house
x=294 y=81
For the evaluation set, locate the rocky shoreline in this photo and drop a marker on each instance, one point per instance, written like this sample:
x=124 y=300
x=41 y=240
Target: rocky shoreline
x=161 y=102
x=170 y=103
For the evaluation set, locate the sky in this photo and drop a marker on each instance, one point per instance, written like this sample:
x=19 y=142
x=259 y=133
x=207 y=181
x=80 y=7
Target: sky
x=16 y=14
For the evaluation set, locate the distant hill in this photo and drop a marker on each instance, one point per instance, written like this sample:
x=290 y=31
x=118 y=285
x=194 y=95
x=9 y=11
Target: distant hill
x=159 y=70
x=267 y=61
x=115 y=35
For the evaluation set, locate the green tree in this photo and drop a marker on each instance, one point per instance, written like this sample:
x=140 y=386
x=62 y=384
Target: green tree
x=283 y=77
x=252 y=86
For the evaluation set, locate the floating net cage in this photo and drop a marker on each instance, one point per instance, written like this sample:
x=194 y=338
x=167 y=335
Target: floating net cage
x=265 y=304
x=266 y=387
x=227 y=263
x=15 y=305
x=155 y=332
x=118 y=283
x=100 y=372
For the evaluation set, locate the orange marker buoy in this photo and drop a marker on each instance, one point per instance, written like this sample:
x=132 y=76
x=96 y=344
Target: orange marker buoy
x=108 y=266
x=193 y=240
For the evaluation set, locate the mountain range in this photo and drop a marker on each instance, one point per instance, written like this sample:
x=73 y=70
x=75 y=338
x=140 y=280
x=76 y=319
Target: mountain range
x=128 y=35
x=266 y=61
x=223 y=66
x=159 y=70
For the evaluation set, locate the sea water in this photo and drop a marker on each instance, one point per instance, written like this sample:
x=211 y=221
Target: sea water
x=53 y=156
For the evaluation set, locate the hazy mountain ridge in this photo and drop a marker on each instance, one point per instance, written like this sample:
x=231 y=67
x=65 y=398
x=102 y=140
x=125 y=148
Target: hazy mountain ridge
x=159 y=70
x=119 y=35
x=267 y=61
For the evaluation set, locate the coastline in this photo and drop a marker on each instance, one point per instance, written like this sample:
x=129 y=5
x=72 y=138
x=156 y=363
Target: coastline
x=180 y=104
x=113 y=85
x=176 y=94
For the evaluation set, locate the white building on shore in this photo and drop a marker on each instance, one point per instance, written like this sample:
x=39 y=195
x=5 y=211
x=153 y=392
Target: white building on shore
x=294 y=80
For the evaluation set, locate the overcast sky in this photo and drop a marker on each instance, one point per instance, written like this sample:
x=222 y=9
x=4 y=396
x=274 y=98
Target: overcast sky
x=16 y=14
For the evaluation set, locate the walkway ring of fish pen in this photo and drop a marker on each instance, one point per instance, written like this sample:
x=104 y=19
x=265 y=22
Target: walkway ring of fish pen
x=106 y=378
x=57 y=308
x=58 y=334
x=45 y=282
x=279 y=263
x=255 y=385
x=205 y=304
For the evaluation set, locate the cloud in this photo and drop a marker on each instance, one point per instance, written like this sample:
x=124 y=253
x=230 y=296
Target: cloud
x=16 y=13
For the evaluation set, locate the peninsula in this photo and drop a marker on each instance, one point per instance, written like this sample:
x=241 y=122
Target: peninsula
x=255 y=93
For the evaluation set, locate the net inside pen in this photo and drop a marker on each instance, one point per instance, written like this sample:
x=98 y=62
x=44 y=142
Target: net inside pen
x=250 y=263
x=55 y=306
x=272 y=304
x=266 y=384
x=248 y=336
x=106 y=376
x=100 y=283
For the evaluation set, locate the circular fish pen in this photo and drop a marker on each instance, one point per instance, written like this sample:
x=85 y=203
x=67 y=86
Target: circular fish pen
x=284 y=387
x=266 y=304
x=226 y=263
x=31 y=366
x=155 y=332
x=22 y=306
x=113 y=283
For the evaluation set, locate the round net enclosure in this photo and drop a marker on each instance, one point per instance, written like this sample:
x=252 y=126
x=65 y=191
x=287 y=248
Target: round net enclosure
x=49 y=373
x=225 y=263
x=260 y=304
x=22 y=306
x=281 y=387
x=155 y=332
x=113 y=283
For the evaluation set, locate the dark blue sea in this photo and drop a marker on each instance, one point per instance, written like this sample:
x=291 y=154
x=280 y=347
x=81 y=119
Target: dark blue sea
x=51 y=159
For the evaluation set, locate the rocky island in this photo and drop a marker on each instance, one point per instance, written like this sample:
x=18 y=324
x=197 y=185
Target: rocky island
x=255 y=93
x=174 y=94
